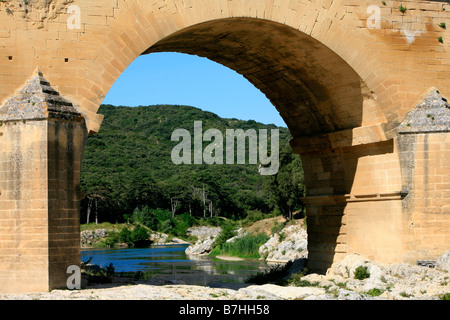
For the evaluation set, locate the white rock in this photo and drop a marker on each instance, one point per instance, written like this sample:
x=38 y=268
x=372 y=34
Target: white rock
x=288 y=245
x=348 y=295
x=202 y=246
x=286 y=293
x=203 y=232
x=443 y=263
x=241 y=232
x=206 y=238
x=347 y=266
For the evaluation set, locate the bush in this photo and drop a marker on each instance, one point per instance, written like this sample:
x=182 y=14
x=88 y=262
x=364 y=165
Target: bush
x=182 y=223
x=445 y=296
x=166 y=226
x=277 y=227
x=253 y=216
x=228 y=232
x=161 y=214
x=96 y=274
x=361 y=273
x=111 y=240
x=297 y=281
x=375 y=292
x=125 y=236
x=153 y=219
x=139 y=236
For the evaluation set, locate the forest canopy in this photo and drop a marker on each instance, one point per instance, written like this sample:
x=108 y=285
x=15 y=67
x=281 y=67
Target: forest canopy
x=127 y=166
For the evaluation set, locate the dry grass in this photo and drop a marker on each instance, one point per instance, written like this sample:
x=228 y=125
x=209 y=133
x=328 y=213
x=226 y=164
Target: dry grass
x=265 y=225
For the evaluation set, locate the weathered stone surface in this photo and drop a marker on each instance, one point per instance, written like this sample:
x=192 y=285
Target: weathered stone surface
x=203 y=232
x=395 y=281
x=431 y=115
x=41 y=145
x=37 y=100
x=202 y=246
x=343 y=111
x=294 y=245
x=36 y=11
x=206 y=238
x=271 y=291
x=399 y=282
x=443 y=263
x=91 y=237
x=160 y=238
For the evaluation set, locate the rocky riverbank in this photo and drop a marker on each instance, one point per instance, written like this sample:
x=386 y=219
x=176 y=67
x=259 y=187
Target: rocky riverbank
x=94 y=238
x=377 y=282
x=206 y=237
x=354 y=278
x=289 y=244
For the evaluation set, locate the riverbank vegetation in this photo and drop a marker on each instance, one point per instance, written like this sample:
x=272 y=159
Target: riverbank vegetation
x=132 y=187
x=243 y=247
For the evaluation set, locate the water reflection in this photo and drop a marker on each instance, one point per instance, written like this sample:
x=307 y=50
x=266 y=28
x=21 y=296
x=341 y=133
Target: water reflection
x=171 y=263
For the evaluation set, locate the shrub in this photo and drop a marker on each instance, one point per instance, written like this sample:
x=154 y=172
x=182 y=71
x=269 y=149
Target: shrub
x=375 y=292
x=361 y=273
x=151 y=218
x=445 y=296
x=182 y=223
x=139 y=236
x=297 y=281
x=228 y=231
x=98 y=275
x=277 y=227
x=111 y=240
x=165 y=226
x=125 y=236
x=253 y=216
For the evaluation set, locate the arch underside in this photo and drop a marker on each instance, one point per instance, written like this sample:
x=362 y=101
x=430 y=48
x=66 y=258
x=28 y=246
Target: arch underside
x=315 y=91
x=322 y=100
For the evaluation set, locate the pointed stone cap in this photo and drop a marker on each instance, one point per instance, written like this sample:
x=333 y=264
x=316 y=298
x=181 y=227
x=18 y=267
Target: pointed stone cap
x=37 y=100
x=431 y=115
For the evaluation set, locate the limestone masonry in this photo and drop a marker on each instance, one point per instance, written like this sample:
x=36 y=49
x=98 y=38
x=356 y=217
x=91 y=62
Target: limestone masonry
x=362 y=88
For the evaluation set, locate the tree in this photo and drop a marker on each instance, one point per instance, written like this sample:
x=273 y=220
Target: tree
x=128 y=162
x=95 y=194
x=286 y=188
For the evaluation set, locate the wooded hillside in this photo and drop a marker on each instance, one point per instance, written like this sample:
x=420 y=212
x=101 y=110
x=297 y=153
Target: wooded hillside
x=128 y=165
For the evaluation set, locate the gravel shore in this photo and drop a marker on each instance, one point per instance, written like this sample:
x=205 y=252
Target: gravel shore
x=383 y=282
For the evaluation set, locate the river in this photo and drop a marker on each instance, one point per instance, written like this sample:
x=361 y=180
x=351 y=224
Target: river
x=170 y=262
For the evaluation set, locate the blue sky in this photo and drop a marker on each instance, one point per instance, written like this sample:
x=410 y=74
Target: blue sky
x=174 y=78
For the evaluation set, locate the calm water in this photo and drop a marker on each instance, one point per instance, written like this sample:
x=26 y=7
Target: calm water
x=171 y=263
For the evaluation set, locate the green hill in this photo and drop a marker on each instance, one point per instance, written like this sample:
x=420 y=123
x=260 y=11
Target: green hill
x=128 y=165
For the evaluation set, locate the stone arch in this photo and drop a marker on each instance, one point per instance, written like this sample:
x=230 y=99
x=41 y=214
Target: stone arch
x=342 y=87
x=326 y=59
x=314 y=90
x=320 y=96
